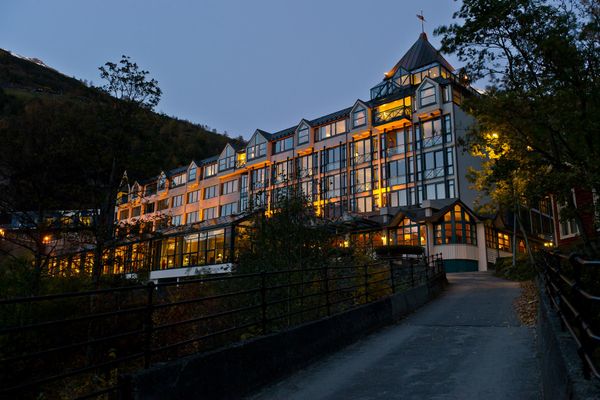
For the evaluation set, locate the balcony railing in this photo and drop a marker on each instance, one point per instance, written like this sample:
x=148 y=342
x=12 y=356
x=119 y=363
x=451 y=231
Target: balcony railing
x=395 y=150
x=433 y=173
x=362 y=158
x=393 y=114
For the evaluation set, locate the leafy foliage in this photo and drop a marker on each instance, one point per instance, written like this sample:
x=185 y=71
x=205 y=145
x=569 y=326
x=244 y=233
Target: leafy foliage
x=539 y=120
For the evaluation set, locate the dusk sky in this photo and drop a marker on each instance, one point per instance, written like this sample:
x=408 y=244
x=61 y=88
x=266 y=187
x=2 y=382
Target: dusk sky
x=232 y=65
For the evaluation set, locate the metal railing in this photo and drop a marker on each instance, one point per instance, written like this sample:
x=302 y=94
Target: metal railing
x=76 y=345
x=380 y=117
x=567 y=281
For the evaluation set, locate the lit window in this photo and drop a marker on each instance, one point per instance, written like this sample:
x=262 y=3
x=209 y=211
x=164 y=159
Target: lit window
x=178 y=180
x=332 y=129
x=458 y=227
x=210 y=170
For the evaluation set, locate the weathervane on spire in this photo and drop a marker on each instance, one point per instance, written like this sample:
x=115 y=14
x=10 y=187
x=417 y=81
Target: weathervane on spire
x=422 y=18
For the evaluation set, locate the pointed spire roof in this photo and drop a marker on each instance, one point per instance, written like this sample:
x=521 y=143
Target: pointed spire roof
x=419 y=55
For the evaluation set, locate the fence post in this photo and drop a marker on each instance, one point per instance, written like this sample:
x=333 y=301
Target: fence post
x=148 y=324
x=366 y=283
x=412 y=274
x=327 y=300
x=263 y=301
x=392 y=281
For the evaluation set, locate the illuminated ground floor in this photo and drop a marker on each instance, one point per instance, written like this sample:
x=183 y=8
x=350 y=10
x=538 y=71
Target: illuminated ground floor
x=466 y=241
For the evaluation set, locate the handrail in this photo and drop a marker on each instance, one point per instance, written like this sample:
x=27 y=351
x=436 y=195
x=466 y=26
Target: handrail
x=112 y=330
x=573 y=304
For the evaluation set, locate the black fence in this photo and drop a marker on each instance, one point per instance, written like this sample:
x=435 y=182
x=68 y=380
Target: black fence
x=568 y=282
x=76 y=345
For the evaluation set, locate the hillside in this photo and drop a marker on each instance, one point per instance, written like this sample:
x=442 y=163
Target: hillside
x=65 y=145
x=29 y=79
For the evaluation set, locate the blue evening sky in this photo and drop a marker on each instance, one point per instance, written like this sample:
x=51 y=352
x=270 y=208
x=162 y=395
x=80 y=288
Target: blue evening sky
x=233 y=65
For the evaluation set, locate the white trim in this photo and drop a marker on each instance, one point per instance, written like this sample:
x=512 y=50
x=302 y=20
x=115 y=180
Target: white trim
x=191 y=271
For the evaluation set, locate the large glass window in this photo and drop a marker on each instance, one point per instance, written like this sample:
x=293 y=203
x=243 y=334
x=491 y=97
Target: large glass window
x=229 y=187
x=334 y=185
x=283 y=145
x=210 y=192
x=282 y=172
x=307 y=165
x=210 y=170
x=228 y=209
x=458 y=227
x=329 y=130
x=209 y=213
x=192 y=173
x=260 y=178
x=397 y=172
x=192 y=197
x=256 y=151
x=361 y=180
x=427 y=94
x=303 y=134
x=359 y=117
x=504 y=242
x=191 y=217
x=178 y=180
x=176 y=220
x=333 y=158
x=434 y=164
x=177 y=201
x=362 y=204
x=408 y=233
x=361 y=151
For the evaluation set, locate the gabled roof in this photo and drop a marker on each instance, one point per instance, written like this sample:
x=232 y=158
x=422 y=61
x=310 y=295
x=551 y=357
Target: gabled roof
x=420 y=54
x=331 y=117
x=283 y=133
x=177 y=170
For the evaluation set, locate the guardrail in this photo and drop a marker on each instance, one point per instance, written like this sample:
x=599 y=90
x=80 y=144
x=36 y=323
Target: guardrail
x=565 y=279
x=76 y=345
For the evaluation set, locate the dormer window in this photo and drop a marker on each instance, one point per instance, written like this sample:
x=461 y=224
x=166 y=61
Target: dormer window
x=162 y=183
x=227 y=159
x=178 y=180
x=332 y=129
x=192 y=172
x=210 y=170
x=257 y=147
x=359 y=117
x=303 y=134
x=427 y=94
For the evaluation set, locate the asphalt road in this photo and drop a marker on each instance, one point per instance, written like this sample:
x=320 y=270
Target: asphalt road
x=466 y=344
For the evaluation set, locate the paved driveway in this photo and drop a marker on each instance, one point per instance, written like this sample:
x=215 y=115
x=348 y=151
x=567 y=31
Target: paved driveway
x=466 y=344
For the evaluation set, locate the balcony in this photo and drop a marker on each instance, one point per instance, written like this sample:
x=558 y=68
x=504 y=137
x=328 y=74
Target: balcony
x=361 y=158
x=393 y=114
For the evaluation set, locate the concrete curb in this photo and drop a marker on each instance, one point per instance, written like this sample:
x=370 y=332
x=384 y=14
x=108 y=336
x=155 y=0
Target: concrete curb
x=561 y=368
x=231 y=372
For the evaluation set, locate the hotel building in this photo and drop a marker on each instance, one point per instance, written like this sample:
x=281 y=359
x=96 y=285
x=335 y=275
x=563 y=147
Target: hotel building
x=389 y=166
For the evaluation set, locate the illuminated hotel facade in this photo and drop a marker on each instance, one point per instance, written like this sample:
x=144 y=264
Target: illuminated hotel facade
x=391 y=163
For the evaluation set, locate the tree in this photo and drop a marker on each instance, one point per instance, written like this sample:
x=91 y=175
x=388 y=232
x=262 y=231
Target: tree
x=542 y=61
x=128 y=83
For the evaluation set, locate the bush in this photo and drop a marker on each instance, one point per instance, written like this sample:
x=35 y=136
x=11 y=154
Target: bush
x=522 y=271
